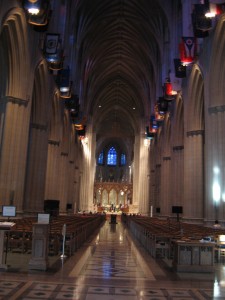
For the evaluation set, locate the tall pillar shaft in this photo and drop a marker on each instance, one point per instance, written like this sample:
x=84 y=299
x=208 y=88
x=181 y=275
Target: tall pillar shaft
x=178 y=175
x=52 y=174
x=36 y=168
x=14 y=130
x=193 y=175
x=88 y=174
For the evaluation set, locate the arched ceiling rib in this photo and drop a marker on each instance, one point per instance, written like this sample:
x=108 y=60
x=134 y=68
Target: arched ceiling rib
x=119 y=55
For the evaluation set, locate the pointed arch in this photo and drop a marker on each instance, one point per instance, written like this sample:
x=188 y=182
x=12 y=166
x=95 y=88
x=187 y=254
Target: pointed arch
x=14 y=37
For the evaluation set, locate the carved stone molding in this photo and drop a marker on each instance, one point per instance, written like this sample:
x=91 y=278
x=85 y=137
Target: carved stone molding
x=166 y=158
x=64 y=154
x=178 y=148
x=216 y=109
x=15 y=100
x=39 y=126
x=55 y=143
x=195 y=132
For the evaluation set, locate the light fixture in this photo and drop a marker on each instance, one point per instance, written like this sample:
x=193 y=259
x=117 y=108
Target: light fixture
x=149 y=135
x=33 y=7
x=146 y=142
x=200 y=23
x=169 y=93
x=213 y=10
x=153 y=124
x=38 y=13
x=64 y=83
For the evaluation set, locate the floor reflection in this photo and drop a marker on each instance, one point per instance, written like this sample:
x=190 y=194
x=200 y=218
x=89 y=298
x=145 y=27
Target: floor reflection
x=111 y=265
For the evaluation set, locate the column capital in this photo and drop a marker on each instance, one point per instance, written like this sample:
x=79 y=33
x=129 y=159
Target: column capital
x=178 y=148
x=216 y=109
x=166 y=158
x=195 y=132
x=39 y=126
x=55 y=143
x=64 y=154
x=15 y=100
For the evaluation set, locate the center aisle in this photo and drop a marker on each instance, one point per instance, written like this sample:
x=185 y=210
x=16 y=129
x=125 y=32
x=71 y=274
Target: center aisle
x=114 y=256
x=112 y=266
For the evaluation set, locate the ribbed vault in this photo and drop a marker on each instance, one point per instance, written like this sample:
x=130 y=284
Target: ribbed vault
x=119 y=56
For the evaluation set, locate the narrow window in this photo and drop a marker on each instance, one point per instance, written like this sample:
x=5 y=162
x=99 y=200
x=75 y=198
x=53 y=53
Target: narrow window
x=112 y=157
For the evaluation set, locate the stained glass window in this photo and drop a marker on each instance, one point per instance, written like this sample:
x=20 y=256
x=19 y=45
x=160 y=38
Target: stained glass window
x=123 y=159
x=101 y=158
x=112 y=157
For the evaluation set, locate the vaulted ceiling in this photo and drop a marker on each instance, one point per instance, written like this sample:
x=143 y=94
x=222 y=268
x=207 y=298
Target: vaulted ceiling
x=119 y=57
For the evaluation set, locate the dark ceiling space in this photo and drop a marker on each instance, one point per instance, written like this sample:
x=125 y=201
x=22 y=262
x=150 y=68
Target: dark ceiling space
x=120 y=52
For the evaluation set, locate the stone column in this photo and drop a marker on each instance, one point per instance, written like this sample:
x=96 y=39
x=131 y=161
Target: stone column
x=36 y=168
x=166 y=182
x=141 y=179
x=52 y=173
x=14 y=130
x=177 y=168
x=143 y=194
x=193 y=175
x=215 y=164
x=136 y=172
x=87 y=179
x=63 y=182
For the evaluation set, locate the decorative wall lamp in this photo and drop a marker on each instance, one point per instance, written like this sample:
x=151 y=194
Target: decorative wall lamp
x=214 y=9
x=153 y=127
x=200 y=23
x=64 y=83
x=169 y=93
x=149 y=135
x=38 y=12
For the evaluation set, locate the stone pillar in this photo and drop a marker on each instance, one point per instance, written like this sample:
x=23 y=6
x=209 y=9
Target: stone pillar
x=136 y=172
x=141 y=177
x=143 y=194
x=14 y=130
x=53 y=170
x=177 y=167
x=63 y=182
x=88 y=174
x=166 y=182
x=36 y=168
x=215 y=163
x=193 y=175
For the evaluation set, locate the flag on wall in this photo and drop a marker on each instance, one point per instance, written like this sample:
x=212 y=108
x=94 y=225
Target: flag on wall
x=188 y=50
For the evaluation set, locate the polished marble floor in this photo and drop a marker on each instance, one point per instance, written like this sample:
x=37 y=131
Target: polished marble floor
x=109 y=266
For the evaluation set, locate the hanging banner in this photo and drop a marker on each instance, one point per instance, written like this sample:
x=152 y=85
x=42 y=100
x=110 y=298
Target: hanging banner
x=188 y=50
x=51 y=43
